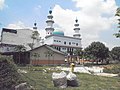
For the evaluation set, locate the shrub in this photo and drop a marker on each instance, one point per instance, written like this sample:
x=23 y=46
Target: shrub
x=112 y=69
x=118 y=74
x=9 y=77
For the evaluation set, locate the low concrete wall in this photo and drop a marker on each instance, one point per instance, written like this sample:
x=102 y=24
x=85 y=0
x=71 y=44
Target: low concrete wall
x=47 y=62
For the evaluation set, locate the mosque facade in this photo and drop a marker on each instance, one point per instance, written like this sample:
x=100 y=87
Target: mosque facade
x=57 y=39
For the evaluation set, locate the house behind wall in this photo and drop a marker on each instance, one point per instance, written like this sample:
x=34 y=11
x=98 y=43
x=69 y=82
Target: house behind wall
x=46 y=55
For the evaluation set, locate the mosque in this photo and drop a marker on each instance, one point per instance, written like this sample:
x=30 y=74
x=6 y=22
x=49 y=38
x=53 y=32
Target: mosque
x=57 y=39
x=54 y=38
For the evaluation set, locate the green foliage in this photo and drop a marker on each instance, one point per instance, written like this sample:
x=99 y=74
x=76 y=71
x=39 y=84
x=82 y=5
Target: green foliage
x=118 y=14
x=97 y=50
x=78 y=52
x=117 y=35
x=9 y=76
x=112 y=69
x=31 y=45
x=34 y=36
x=20 y=48
x=115 y=53
x=118 y=74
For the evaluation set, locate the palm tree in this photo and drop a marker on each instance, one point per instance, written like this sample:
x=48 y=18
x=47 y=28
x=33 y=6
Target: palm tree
x=118 y=14
x=31 y=45
x=34 y=36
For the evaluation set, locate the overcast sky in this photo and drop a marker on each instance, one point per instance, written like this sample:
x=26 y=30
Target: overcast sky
x=96 y=17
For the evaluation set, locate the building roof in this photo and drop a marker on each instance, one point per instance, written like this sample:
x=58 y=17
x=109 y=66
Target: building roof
x=62 y=36
x=50 y=48
x=58 y=32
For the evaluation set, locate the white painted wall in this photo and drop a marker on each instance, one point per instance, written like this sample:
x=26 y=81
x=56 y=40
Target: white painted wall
x=59 y=40
x=23 y=37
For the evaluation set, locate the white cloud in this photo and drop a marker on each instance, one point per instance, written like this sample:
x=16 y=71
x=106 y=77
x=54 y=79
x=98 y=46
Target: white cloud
x=42 y=33
x=37 y=7
x=94 y=17
x=21 y=25
x=2 y=4
x=17 y=25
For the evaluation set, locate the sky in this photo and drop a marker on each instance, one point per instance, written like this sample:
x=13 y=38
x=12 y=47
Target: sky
x=96 y=17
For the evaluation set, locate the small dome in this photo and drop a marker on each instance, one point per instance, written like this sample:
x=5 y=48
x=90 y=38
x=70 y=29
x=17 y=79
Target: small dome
x=58 y=32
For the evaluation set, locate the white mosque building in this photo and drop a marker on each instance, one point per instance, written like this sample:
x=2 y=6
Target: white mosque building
x=53 y=38
x=57 y=39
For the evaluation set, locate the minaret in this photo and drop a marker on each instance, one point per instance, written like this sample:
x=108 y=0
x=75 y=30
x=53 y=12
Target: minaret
x=35 y=26
x=49 y=28
x=76 y=29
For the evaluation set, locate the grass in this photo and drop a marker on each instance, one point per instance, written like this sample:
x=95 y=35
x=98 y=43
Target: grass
x=43 y=81
x=112 y=68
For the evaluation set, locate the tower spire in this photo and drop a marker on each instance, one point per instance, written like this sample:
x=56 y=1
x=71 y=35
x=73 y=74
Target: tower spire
x=76 y=20
x=76 y=29
x=35 y=26
x=50 y=11
x=49 y=28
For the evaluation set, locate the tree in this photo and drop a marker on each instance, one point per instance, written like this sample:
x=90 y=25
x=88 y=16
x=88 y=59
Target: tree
x=118 y=14
x=34 y=36
x=115 y=53
x=78 y=52
x=31 y=45
x=20 y=48
x=9 y=77
x=98 y=51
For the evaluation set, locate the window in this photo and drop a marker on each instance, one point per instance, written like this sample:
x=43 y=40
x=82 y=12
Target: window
x=64 y=48
x=72 y=49
x=54 y=40
x=69 y=43
x=73 y=43
x=7 y=49
x=76 y=44
x=64 y=42
x=59 y=49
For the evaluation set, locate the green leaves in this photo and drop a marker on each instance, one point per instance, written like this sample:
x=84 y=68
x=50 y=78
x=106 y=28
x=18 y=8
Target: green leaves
x=97 y=50
x=118 y=14
x=115 y=52
x=8 y=73
x=34 y=36
x=20 y=48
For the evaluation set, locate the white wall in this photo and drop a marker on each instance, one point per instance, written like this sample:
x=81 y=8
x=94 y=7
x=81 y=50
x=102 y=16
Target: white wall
x=59 y=40
x=23 y=37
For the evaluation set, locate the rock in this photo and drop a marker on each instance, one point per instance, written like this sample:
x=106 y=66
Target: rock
x=72 y=80
x=59 y=79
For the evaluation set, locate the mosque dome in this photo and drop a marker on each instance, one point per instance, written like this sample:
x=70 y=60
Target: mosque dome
x=58 y=32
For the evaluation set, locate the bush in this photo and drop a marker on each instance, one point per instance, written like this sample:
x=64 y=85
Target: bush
x=115 y=69
x=118 y=74
x=9 y=77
